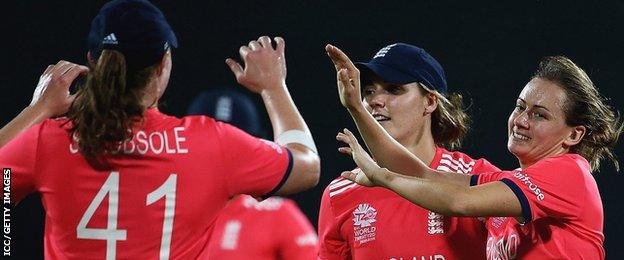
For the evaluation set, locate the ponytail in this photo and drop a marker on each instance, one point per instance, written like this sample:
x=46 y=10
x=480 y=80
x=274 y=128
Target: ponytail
x=108 y=105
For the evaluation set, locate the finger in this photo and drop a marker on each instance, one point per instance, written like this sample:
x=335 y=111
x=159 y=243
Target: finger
x=265 y=41
x=343 y=138
x=84 y=70
x=344 y=78
x=348 y=175
x=339 y=57
x=332 y=56
x=235 y=67
x=345 y=150
x=351 y=136
x=71 y=98
x=243 y=51
x=61 y=68
x=254 y=45
x=73 y=73
x=47 y=70
x=281 y=45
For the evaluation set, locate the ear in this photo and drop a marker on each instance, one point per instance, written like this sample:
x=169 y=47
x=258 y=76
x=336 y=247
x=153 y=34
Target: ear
x=90 y=60
x=575 y=136
x=430 y=101
x=165 y=63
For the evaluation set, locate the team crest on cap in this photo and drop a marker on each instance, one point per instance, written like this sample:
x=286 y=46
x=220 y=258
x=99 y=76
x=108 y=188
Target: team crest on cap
x=364 y=216
x=110 y=39
x=383 y=51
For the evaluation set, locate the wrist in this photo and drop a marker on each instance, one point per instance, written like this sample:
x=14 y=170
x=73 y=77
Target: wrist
x=38 y=111
x=357 y=110
x=275 y=89
x=383 y=177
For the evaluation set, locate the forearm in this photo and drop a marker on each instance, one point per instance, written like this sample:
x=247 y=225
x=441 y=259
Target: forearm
x=387 y=152
x=282 y=111
x=30 y=116
x=284 y=117
x=444 y=197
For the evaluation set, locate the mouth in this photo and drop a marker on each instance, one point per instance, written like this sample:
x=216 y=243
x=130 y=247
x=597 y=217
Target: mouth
x=519 y=137
x=381 y=118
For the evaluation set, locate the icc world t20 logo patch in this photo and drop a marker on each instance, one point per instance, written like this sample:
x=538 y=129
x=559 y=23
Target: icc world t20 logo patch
x=364 y=217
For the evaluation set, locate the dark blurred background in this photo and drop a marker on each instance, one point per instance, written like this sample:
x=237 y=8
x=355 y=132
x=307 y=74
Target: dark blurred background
x=488 y=49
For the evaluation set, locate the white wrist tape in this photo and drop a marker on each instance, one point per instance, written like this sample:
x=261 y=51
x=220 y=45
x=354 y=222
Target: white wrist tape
x=296 y=137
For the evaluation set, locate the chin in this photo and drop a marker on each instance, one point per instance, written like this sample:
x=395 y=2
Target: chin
x=514 y=149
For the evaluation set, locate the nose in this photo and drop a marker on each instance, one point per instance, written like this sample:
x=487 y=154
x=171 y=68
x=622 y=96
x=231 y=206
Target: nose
x=522 y=120
x=376 y=100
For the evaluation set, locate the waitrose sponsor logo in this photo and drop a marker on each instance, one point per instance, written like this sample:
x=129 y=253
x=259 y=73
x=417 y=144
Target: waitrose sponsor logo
x=524 y=178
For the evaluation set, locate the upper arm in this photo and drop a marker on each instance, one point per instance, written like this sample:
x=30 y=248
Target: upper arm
x=331 y=243
x=251 y=165
x=18 y=159
x=494 y=199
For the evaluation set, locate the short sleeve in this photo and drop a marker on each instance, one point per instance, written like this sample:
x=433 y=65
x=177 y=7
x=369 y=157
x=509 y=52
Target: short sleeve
x=484 y=166
x=299 y=240
x=17 y=159
x=331 y=244
x=253 y=166
x=553 y=187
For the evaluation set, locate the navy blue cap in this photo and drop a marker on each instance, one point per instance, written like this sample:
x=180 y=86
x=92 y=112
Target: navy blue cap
x=402 y=63
x=136 y=28
x=231 y=107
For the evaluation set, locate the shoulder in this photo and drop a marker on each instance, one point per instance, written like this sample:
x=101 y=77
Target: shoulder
x=569 y=164
x=199 y=120
x=454 y=161
x=340 y=188
x=459 y=162
x=52 y=128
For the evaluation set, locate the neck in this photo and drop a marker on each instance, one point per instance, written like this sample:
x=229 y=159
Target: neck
x=423 y=146
x=150 y=98
x=527 y=162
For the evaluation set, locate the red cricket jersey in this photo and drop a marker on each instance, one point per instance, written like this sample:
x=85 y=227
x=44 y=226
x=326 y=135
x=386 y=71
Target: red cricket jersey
x=358 y=222
x=561 y=207
x=272 y=229
x=162 y=196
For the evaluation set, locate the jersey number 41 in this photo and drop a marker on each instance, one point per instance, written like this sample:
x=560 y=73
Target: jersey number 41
x=111 y=234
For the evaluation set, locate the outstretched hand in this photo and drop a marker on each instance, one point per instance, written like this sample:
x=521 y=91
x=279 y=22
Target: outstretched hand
x=368 y=170
x=347 y=77
x=52 y=95
x=265 y=66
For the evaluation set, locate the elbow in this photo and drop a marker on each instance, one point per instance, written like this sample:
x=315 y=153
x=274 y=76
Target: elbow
x=313 y=170
x=307 y=168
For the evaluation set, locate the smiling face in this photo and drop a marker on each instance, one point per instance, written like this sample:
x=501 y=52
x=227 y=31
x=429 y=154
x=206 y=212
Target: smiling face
x=402 y=110
x=537 y=127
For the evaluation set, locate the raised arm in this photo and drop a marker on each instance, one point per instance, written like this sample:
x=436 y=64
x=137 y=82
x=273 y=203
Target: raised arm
x=440 y=195
x=51 y=98
x=387 y=152
x=265 y=73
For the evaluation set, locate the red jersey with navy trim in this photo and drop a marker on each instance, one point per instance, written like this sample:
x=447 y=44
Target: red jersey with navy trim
x=272 y=229
x=562 y=212
x=160 y=197
x=357 y=222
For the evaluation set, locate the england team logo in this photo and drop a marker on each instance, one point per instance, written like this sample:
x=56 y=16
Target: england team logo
x=364 y=217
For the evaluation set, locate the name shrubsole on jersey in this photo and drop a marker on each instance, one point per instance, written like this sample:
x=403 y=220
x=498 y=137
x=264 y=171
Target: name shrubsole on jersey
x=169 y=142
